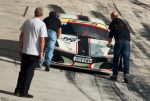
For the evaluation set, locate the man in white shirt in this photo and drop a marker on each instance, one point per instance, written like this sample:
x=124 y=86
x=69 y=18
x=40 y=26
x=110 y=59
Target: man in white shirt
x=32 y=41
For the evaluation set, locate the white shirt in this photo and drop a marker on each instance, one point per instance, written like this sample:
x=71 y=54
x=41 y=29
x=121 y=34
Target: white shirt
x=33 y=29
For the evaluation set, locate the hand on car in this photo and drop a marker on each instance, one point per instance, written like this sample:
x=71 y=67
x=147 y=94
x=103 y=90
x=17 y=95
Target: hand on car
x=109 y=45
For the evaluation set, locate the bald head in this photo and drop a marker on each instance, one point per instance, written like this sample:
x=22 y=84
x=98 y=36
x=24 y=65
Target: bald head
x=114 y=15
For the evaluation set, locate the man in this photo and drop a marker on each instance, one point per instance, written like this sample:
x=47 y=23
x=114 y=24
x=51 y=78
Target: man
x=53 y=25
x=31 y=44
x=121 y=34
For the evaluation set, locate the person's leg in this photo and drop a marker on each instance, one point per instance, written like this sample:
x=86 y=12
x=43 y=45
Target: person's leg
x=30 y=67
x=120 y=64
x=126 y=58
x=117 y=50
x=50 y=45
x=21 y=74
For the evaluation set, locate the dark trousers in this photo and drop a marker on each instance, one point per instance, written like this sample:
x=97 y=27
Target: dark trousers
x=28 y=65
x=121 y=48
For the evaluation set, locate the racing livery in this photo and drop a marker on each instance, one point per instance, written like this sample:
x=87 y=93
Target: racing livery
x=83 y=44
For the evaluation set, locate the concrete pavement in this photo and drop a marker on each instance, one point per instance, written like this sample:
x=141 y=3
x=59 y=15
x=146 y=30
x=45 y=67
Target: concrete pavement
x=64 y=85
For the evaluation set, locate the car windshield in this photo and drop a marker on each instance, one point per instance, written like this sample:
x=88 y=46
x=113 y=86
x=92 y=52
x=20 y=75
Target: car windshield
x=84 y=30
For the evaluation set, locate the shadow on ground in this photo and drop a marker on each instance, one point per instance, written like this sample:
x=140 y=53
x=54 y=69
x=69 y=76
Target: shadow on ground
x=9 y=49
x=146 y=31
x=137 y=2
x=56 y=8
x=6 y=92
x=140 y=87
x=100 y=16
x=71 y=76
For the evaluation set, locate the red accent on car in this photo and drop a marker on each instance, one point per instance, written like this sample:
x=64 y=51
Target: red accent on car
x=89 y=25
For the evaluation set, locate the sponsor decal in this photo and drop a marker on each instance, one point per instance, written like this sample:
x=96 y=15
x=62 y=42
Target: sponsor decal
x=83 y=59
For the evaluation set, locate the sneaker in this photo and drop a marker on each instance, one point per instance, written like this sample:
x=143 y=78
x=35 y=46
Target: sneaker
x=23 y=95
x=17 y=94
x=126 y=78
x=46 y=67
x=113 y=77
x=26 y=95
x=39 y=65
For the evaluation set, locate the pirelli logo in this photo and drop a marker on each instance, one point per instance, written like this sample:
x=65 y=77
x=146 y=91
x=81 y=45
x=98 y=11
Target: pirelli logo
x=83 y=59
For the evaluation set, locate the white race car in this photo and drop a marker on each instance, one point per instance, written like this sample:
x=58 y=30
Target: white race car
x=83 y=44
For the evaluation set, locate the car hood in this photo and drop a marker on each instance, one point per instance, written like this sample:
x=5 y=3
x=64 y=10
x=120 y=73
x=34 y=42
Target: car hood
x=96 y=48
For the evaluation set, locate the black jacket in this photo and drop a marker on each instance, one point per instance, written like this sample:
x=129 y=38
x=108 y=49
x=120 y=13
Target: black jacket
x=52 y=23
x=119 y=30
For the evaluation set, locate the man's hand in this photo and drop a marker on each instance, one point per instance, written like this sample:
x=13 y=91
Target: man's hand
x=109 y=42
x=109 y=45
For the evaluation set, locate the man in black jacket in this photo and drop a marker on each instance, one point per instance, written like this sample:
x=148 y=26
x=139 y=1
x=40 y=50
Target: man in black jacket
x=53 y=25
x=121 y=34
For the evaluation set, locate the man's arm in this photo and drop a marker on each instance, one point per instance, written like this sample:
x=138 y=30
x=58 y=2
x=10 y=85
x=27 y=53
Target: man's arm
x=41 y=44
x=111 y=34
x=21 y=43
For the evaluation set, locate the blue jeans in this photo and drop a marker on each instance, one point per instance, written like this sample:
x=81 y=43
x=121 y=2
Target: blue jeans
x=49 y=46
x=121 y=48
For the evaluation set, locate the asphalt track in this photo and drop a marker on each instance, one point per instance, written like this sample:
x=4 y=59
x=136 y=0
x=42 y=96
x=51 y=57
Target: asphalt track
x=66 y=85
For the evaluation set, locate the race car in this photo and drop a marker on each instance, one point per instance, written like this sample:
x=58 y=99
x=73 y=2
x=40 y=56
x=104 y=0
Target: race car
x=83 y=44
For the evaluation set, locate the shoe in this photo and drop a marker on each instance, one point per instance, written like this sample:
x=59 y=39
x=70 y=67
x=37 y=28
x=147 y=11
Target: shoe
x=23 y=95
x=26 y=95
x=17 y=94
x=46 y=67
x=126 y=78
x=39 y=66
x=113 y=77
